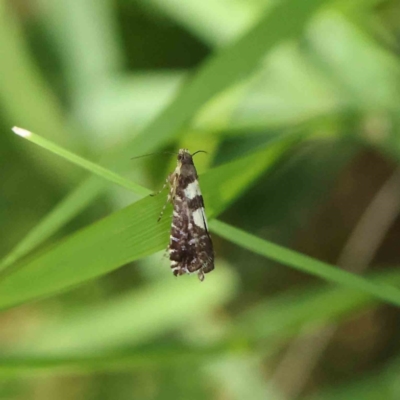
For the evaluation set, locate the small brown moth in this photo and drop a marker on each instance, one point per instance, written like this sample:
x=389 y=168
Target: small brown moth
x=190 y=247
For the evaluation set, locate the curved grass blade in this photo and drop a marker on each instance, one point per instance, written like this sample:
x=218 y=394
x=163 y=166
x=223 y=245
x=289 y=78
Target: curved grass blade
x=306 y=264
x=88 y=165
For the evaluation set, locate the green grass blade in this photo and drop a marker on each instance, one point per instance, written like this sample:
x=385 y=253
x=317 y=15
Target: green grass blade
x=305 y=264
x=88 y=165
x=128 y=359
x=69 y=207
x=125 y=236
x=231 y=65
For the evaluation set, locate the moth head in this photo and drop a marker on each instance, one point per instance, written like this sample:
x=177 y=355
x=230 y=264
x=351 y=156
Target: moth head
x=184 y=156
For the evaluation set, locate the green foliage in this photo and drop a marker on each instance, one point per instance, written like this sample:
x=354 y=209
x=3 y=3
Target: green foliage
x=282 y=82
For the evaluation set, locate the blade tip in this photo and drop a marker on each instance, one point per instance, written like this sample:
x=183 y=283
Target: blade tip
x=21 y=132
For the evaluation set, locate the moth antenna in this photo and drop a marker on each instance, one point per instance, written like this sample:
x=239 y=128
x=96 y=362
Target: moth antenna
x=199 y=151
x=154 y=154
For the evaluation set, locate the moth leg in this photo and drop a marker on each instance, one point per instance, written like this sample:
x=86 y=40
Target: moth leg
x=164 y=186
x=167 y=181
x=163 y=209
x=201 y=275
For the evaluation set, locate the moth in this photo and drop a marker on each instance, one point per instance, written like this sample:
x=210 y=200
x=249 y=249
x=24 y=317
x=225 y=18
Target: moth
x=190 y=247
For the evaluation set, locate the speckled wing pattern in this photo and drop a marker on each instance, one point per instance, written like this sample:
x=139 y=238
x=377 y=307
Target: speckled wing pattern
x=190 y=247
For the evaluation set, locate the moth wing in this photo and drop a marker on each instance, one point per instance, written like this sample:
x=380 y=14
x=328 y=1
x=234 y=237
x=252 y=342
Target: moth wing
x=200 y=243
x=179 y=249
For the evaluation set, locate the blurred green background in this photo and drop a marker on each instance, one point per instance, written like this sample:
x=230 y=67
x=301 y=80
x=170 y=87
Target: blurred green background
x=296 y=103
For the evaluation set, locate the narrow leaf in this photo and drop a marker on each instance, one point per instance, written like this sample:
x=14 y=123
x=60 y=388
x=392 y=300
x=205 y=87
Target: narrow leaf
x=75 y=159
x=306 y=264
